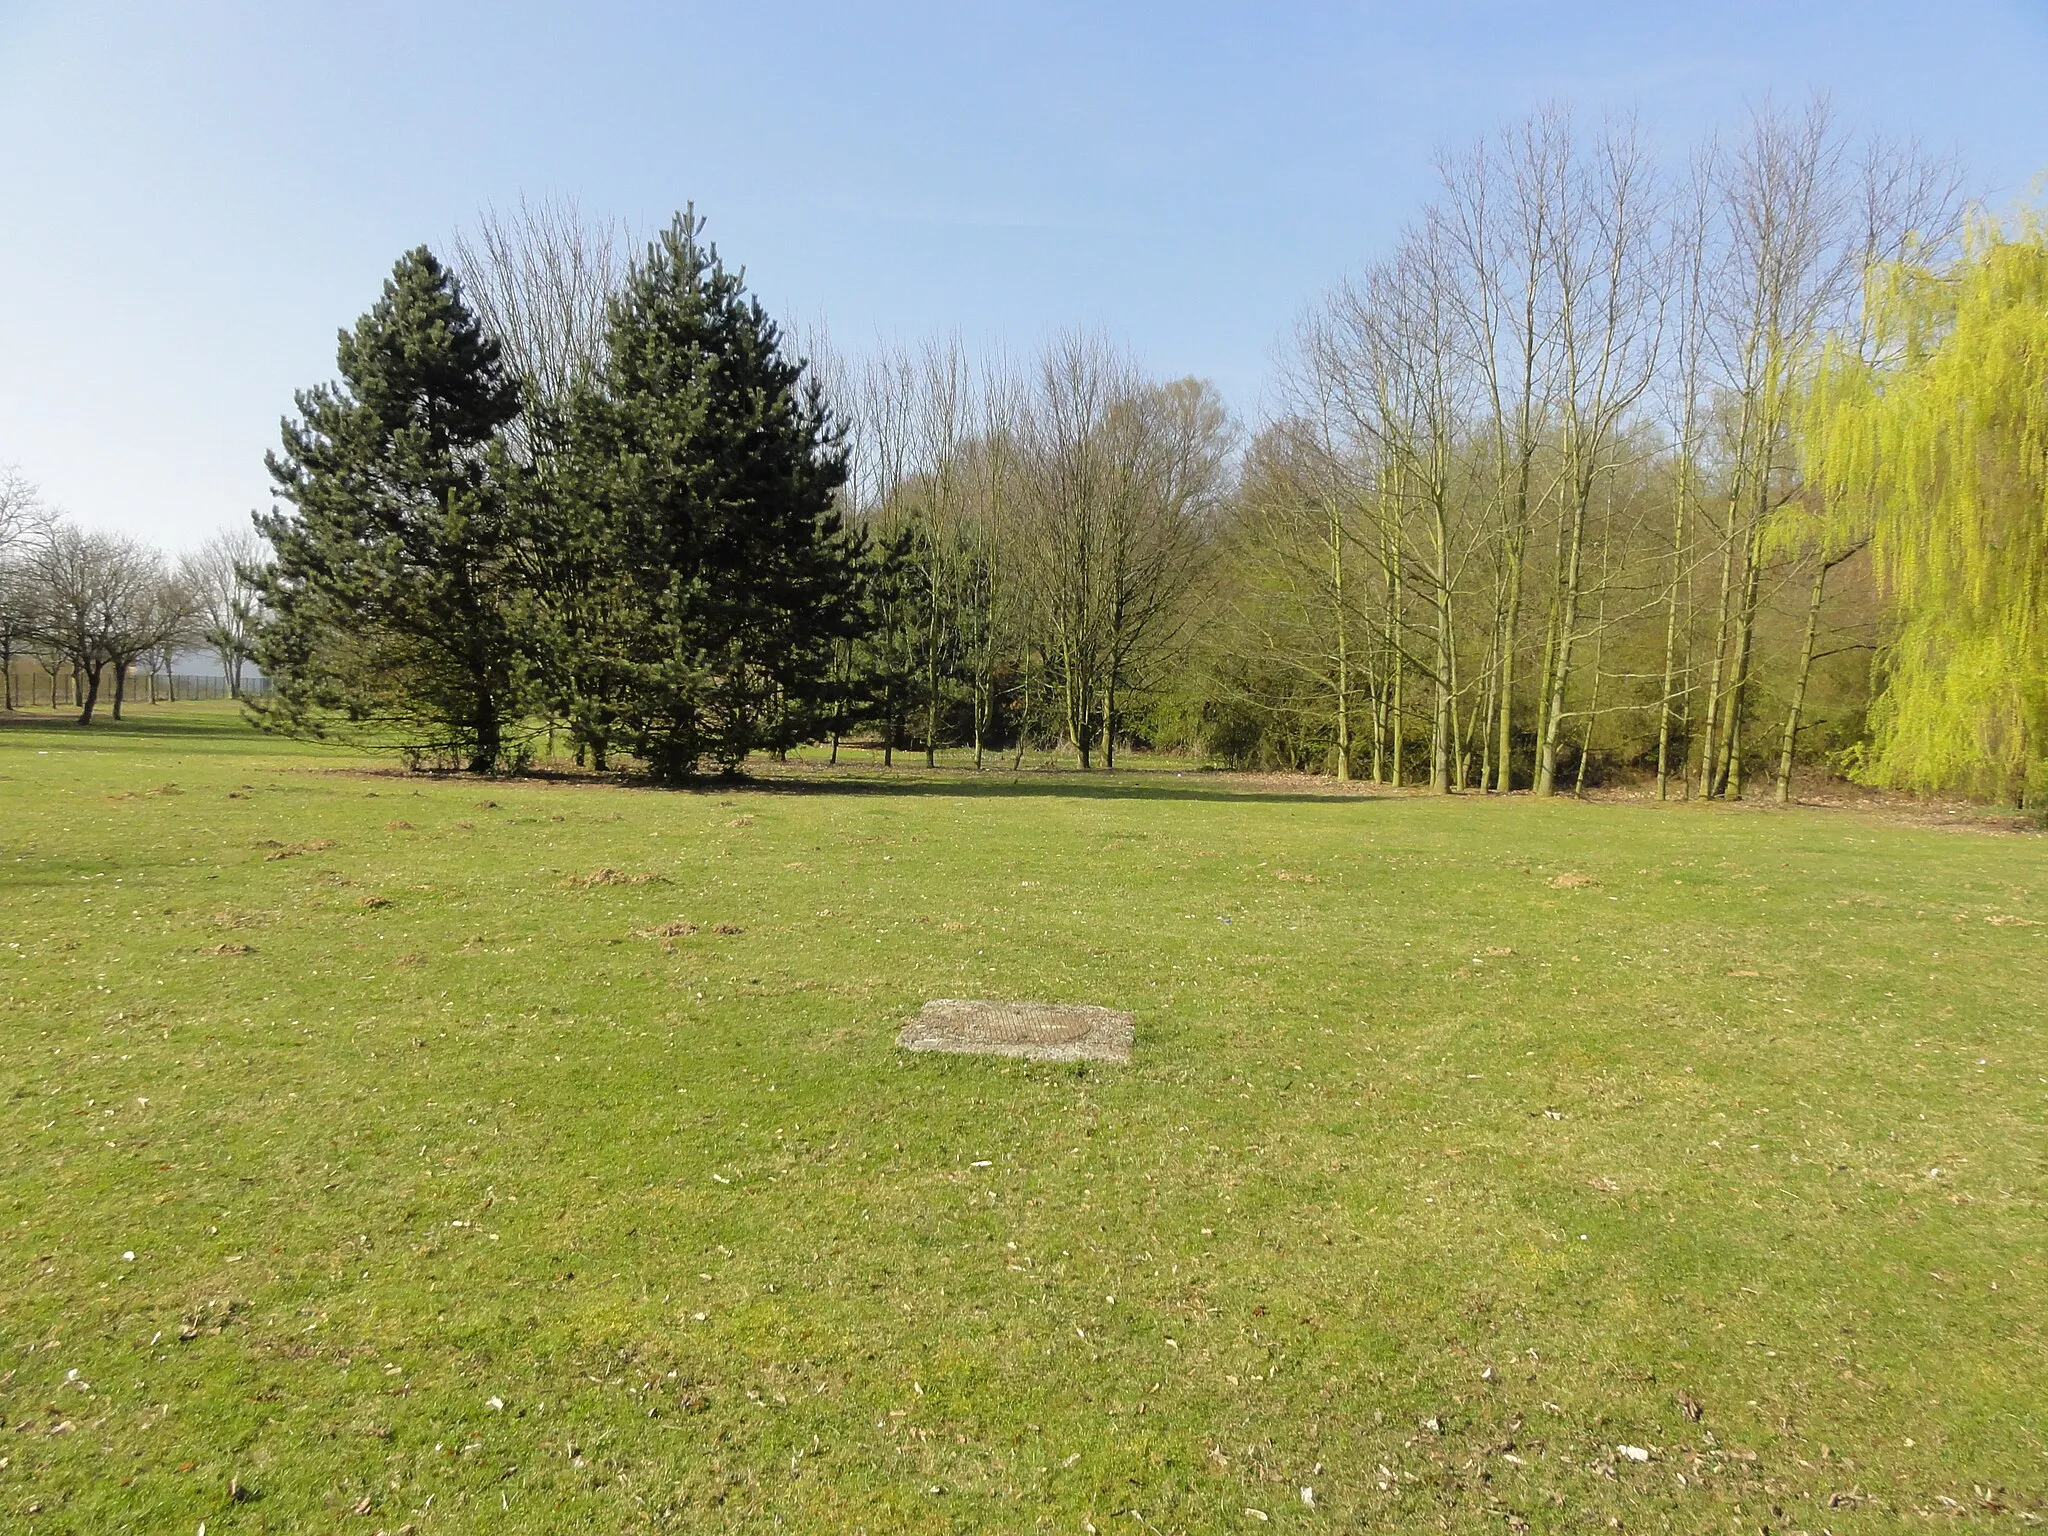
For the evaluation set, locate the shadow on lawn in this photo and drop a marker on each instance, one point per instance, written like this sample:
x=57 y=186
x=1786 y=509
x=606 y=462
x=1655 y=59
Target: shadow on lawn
x=140 y=721
x=1041 y=783
x=211 y=725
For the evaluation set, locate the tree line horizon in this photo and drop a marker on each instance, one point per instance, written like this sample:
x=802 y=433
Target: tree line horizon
x=1706 y=472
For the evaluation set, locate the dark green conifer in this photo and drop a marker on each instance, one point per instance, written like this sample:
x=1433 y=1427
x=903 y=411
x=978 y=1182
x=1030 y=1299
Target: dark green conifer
x=391 y=597
x=700 y=479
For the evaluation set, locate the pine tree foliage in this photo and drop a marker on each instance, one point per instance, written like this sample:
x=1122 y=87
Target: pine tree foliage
x=1942 y=444
x=392 y=597
x=700 y=480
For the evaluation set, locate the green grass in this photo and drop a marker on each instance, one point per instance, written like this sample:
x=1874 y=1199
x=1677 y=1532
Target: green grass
x=1432 y=1183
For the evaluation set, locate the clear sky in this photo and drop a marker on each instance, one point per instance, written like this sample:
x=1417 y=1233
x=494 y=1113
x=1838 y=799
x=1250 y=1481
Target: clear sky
x=194 y=197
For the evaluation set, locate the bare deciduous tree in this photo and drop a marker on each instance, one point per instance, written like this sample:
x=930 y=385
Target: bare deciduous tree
x=539 y=277
x=220 y=577
x=99 y=602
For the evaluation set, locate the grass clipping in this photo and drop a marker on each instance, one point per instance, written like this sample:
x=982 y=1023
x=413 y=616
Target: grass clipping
x=1040 y=1031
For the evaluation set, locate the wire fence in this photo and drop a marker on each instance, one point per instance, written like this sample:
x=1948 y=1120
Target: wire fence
x=37 y=687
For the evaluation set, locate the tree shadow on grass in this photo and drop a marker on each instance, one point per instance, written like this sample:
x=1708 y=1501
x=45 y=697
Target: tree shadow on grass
x=138 y=722
x=211 y=725
x=1134 y=785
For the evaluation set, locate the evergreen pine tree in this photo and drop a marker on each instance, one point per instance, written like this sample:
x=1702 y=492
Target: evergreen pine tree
x=701 y=477
x=391 y=595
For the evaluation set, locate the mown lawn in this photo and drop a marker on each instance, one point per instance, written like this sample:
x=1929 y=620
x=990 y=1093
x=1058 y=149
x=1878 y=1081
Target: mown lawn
x=358 y=1158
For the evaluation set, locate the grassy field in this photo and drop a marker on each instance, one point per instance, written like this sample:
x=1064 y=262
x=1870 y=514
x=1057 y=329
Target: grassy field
x=363 y=1167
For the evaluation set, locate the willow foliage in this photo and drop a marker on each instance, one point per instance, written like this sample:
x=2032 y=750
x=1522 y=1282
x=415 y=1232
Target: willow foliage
x=1935 y=429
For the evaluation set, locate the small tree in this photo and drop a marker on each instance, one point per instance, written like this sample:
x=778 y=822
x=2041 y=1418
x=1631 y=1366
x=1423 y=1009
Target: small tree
x=390 y=600
x=223 y=576
x=21 y=517
x=95 y=604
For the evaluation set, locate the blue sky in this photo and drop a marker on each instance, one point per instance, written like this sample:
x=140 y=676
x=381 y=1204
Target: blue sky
x=193 y=198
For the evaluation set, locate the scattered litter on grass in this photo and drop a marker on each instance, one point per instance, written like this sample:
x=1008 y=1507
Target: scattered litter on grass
x=1496 y=951
x=374 y=902
x=1633 y=1452
x=1289 y=874
x=1570 y=882
x=398 y=826
x=1742 y=973
x=728 y=929
x=1690 y=1406
x=741 y=821
x=229 y=949
x=2008 y=920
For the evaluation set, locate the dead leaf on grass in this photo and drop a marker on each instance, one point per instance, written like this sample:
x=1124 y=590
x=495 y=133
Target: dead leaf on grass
x=741 y=821
x=2008 y=920
x=398 y=826
x=1742 y=973
x=373 y=902
x=681 y=928
x=408 y=962
x=728 y=929
x=1295 y=875
x=1496 y=951
x=1570 y=881
x=229 y=949
x=1690 y=1406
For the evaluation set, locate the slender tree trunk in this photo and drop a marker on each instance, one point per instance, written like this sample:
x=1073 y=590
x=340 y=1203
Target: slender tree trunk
x=1745 y=645
x=1343 y=638
x=1442 y=731
x=120 y=686
x=1483 y=713
x=1788 y=745
x=1664 y=709
x=1511 y=623
x=931 y=689
x=91 y=694
x=1561 y=667
x=1709 y=759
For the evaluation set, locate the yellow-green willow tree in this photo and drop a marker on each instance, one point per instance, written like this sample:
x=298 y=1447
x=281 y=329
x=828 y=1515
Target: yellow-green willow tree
x=1943 y=445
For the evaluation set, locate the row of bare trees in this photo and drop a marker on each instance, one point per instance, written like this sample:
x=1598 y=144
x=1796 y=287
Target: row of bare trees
x=1535 y=474
x=96 y=608
x=1045 y=526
